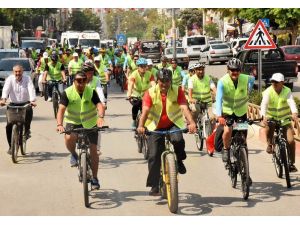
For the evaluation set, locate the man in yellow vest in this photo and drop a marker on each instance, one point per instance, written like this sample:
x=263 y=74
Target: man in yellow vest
x=102 y=73
x=232 y=99
x=164 y=106
x=74 y=66
x=200 y=86
x=278 y=103
x=139 y=81
x=177 y=73
x=78 y=108
x=163 y=64
x=44 y=60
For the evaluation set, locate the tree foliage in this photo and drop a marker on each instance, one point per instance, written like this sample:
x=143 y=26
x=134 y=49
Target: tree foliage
x=212 y=30
x=84 y=20
x=189 y=18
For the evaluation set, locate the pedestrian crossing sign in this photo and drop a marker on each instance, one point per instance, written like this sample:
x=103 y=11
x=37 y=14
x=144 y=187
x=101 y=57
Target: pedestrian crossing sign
x=260 y=38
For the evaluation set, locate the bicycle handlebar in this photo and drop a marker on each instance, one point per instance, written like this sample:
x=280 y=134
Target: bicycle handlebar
x=230 y=121
x=84 y=130
x=18 y=106
x=163 y=132
x=277 y=122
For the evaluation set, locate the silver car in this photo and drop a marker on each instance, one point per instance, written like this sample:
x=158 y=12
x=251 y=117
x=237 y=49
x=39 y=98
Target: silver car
x=181 y=56
x=216 y=53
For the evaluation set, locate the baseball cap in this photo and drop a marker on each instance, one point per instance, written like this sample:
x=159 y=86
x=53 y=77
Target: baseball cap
x=75 y=54
x=45 y=55
x=277 y=77
x=149 y=62
x=97 y=58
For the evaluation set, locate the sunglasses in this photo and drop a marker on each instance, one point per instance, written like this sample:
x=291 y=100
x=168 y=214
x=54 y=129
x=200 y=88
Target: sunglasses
x=164 y=80
x=81 y=80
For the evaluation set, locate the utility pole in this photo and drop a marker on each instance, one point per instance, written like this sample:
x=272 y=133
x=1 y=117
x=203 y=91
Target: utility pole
x=174 y=33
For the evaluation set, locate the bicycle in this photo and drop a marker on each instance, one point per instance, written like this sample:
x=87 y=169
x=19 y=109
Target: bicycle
x=84 y=158
x=168 y=181
x=204 y=126
x=16 y=115
x=280 y=156
x=238 y=155
x=55 y=94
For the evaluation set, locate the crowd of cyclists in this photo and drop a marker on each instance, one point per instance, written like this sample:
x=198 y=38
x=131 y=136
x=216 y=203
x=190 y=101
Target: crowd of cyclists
x=165 y=93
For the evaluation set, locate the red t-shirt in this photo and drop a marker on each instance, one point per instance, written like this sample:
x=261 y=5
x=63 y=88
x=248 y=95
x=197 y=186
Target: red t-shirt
x=164 y=121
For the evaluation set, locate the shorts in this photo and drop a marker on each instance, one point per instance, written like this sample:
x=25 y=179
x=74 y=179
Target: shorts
x=92 y=136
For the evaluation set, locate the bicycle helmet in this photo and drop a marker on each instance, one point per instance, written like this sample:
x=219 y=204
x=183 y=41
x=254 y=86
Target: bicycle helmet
x=54 y=57
x=173 y=60
x=88 y=66
x=163 y=58
x=117 y=51
x=102 y=50
x=234 y=64
x=191 y=67
x=164 y=75
x=199 y=65
x=141 y=61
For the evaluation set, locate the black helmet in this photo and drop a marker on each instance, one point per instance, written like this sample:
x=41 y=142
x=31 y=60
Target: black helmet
x=164 y=75
x=234 y=64
x=88 y=66
x=54 y=57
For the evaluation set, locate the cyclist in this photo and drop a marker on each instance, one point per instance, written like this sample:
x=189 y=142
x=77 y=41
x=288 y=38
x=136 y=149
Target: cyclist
x=278 y=103
x=164 y=63
x=163 y=106
x=102 y=73
x=67 y=57
x=56 y=72
x=132 y=66
x=200 y=86
x=44 y=60
x=232 y=99
x=139 y=81
x=74 y=66
x=177 y=73
x=105 y=59
x=78 y=108
x=150 y=68
x=20 y=91
x=119 y=62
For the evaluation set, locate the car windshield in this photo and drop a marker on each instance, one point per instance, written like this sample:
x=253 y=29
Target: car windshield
x=36 y=45
x=219 y=46
x=73 y=41
x=151 y=47
x=196 y=41
x=292 y=50
x=90 y=42
x=7 y=65
x=169 y=51
x=8 y=55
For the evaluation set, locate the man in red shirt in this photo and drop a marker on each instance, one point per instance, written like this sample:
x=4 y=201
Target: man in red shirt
x=164 y=106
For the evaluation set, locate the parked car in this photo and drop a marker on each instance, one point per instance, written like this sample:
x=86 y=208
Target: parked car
x=273 y=61
x=151 y=50
x=9 y=53
x=237 y=44
x=7 y=64
x=181 y=56
x=215 y=42
x=292 y=52
x=215 y=53
x=37 y=44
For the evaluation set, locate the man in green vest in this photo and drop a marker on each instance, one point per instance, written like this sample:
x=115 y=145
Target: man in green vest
x=232 y=99
x=200 y=87
x=278 y=103
x=102 y=73
x=139 y=81
x=164 y=106
x=78 y=108
x=105 y=59
x=177 y=73
x=74 y=66
x=40 y=69
x=164 y=63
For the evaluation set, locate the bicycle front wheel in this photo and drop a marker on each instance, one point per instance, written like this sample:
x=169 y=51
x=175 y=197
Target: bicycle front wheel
x=276 y=161
x=171 y=182
x=199 y=139
x=244 y=172
x=23 y=140
x=55 y=99
x=14 y=143
x=283 y=154
x=85 y=178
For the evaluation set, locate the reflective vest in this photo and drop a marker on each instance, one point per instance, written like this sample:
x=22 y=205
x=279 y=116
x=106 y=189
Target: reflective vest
x=93 y=83
x=67 y=59
x=160 y=66
x=235 y=100
x=173 y=109
x=176 y=75
x=101 y=73
x=278 y=107
x=54 y=71
x=132 y=66
x=34 y=55
x=81 y=111
x=75 y=66
x=141 y=84
x=120 y=60
x=43 y=64
x=201 y=88
x=110 y=53
x=105 y=60
x=153 y=72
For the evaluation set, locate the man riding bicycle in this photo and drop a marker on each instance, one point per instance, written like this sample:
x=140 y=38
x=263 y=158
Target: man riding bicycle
x=200 y=86
x=164 y=63
x=177 y=73
x=20 y=91
x=78 y=108
x=74 y=66
x=102 y=72
x=278 y=103
x=139 y=81
x=163 y=106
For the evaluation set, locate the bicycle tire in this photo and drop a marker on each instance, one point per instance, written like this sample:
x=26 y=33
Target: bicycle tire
x=199 y=139
x=162 y=187
x=145 y=148
x=244 y=173
x=276 y=161
x=23 y=141
x=14 y=143
x=55 y=100
x=85 y=178
x=171 y=182
x=45 y=90
x=283 y=154
x=139 y=142
x=233 y=174
x=208 y=127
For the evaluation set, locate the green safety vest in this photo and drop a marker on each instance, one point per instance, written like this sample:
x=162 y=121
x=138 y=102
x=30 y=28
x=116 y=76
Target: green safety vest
x=132 y=66
x=105 y=60
x=81 y=111
x=153 y=72
x=176 y=75
x=34 y=55
x=235 y=100
x=101 y=73
x=173 y=109
x=160 y=66
x=75 y=66
x=141 y=84
x=67 y=59
x=43 y=64
x=93 y=83
x=278 y=107
x=120 y=60
x=201 y=88
x=54 y=72
x=110 y=53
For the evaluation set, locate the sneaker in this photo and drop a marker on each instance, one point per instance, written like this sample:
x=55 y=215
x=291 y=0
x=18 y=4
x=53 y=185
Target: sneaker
x=181 y=167
x=269 y=149
x=49 y=100
x=225 y=156
x=9 y=151
x=292 y=168
x=73 y=160
x=154 y=191
x=95 y=184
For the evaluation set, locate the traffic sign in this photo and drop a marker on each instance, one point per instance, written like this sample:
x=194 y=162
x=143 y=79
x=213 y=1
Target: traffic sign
x=266 y=22
x=260 y=38
x=121 y=39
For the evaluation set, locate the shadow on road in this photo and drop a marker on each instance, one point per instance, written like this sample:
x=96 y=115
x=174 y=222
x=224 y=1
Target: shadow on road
x=36 y=157
x=110 y=163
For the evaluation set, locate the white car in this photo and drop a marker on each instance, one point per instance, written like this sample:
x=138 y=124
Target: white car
x=237 y=44
x=215 y=53
x=181 y=56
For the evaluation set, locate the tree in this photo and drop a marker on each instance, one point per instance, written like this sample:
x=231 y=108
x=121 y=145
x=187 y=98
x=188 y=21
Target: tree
x=190 y=18
x=84 y=20
x=212 y=30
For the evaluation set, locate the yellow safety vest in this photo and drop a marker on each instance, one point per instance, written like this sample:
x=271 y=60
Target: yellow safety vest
x=54 y=71
x=201 y=88
x=141 y=84
x=176 y=75
x=75 y=66
x=101 y=73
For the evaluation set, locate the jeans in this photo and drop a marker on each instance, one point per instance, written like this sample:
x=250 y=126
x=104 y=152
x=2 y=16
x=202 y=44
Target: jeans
x=136 y=106
x=50 y=85
x=156 y=145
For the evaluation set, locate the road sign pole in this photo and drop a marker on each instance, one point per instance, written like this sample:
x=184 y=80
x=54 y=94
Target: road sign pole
x=259 y=70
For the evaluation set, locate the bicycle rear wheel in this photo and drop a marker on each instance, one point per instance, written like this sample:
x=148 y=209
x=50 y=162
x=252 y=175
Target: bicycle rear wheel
x=85 y=178
x=276 y=161
x=171 y=182
x=23 y=141
x=244 y=172
x=55 y=99
x=199 y=139
x=283 y=154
